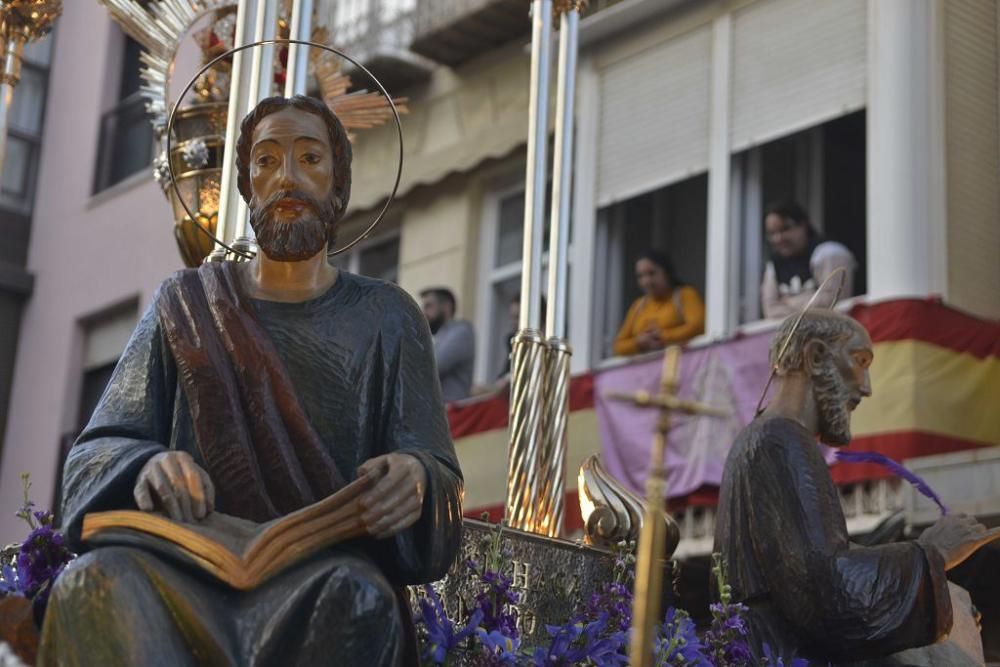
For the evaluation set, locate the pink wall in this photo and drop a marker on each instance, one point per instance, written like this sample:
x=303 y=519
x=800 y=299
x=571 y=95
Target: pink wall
x=87 y=254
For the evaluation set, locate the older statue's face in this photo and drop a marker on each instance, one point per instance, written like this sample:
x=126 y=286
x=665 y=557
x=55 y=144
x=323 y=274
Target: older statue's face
x=291 y=175
x=839 y=384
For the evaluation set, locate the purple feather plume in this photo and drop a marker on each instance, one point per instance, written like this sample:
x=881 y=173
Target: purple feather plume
x=894 y=467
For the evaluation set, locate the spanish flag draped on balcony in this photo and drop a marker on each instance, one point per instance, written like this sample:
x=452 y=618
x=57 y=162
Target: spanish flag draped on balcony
x=935 y=378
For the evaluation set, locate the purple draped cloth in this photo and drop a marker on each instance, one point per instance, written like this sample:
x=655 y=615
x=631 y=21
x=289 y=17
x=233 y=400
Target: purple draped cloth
x=727 y=375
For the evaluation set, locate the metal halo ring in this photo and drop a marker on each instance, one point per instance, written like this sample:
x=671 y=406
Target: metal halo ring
x=264 y=42
x=795 y=327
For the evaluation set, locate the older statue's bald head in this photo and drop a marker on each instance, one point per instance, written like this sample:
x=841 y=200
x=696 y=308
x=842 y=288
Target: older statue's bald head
x=828 y=326
x=834 y=351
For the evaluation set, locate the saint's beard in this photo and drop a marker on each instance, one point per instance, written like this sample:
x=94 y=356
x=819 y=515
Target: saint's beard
x=832 y=398
x=299 y=239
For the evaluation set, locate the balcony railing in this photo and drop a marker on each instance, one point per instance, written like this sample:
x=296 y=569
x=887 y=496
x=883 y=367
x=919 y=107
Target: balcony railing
x=454 y=31
x=378 y=33
x=125 y=146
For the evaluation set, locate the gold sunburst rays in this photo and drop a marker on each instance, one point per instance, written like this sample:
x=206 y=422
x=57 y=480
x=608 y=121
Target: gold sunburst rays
x=161 y=26
x=358 y=110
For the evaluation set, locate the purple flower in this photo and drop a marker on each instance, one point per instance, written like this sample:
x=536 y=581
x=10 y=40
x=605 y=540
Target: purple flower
x=497 y=601
x=442 y=637
x=772 y=660
x=679 y=645
x=615 y=600
x=578 y=641
x=41 y=558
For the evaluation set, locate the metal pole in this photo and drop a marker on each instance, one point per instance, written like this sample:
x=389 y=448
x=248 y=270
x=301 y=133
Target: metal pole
x=11 y=74
x=6 y=95
x=232 y=208
x=537 y=172
x=562 y=169
x=528 y=349
x=259 y=87
x=299 y=27
x=552 y=457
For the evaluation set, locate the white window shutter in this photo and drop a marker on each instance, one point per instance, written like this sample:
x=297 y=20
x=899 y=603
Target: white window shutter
x=796 y=63
x=654 y=117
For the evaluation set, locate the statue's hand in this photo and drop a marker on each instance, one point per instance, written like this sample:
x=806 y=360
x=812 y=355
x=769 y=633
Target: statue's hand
x=956 y=537
x=397 y=499
x=173 y=481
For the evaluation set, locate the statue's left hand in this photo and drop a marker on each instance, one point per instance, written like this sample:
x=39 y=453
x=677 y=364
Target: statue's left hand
x=397 y=499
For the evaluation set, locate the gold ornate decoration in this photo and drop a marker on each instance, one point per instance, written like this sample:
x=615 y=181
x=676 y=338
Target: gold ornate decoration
x=23 y=21
x=551 y=501
x=611 y=513
x=653 y=535
x=564 y=6
x=527 y=399
x=159 y=28
x=842 y=272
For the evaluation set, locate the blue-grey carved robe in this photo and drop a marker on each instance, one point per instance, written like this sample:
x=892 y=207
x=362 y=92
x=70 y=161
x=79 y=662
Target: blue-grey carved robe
x=812 y=593
x=360 y=361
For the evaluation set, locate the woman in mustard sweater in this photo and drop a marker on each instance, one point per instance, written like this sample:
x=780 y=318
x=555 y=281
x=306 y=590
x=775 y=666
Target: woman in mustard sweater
x=669 y=312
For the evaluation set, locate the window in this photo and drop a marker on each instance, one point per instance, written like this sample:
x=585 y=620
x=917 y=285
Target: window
x=500 y=275
x=671 y=219
x=821 y=168
x=24 y=133
x=126 y=136
x=375 y=258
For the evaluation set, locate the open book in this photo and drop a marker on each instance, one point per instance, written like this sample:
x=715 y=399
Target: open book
x=238 y=552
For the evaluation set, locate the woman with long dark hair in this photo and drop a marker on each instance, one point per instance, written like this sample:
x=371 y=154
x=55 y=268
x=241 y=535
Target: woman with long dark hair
x=800 y=261
x=669 y=312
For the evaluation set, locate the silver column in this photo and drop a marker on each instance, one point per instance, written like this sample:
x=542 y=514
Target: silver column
x=232 y=208
x=528 y=350
x=259 y=86
x=300 y=27
x=9 y=76
x=552 y=458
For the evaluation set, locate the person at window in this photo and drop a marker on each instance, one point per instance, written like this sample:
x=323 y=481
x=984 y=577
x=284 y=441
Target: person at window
x=454 y=343
x=669 y=312
x=800 y=261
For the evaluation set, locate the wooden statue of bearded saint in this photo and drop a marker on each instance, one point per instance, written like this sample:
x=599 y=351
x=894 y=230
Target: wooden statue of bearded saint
x=780 y=528
x=255 y=389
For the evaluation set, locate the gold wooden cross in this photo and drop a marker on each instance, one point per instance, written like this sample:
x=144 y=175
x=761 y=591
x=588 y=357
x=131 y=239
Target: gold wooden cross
x=646 y=606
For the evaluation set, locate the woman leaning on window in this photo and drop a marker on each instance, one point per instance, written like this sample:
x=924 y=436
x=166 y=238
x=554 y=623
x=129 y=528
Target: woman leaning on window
x=669 y=312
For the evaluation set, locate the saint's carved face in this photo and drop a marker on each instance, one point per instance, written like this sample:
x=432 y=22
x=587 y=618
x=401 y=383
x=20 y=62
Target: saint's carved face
x=840 y=380
x=291 y=174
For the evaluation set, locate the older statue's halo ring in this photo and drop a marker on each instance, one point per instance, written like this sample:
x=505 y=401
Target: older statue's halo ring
x=395 y=114
x=839 y=271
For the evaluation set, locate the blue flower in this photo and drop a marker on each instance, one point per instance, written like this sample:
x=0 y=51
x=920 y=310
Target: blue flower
x=772 y=660
x=679 y=644
x=578 y=641
x=502 y=648
x=8 y=581
x=442 y=637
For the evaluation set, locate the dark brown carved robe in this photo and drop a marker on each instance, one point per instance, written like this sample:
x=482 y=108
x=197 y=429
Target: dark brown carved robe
x=279 y=402
x=812 y=593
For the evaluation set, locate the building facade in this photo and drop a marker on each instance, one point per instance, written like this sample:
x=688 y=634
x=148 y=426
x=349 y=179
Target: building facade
x=880 y=116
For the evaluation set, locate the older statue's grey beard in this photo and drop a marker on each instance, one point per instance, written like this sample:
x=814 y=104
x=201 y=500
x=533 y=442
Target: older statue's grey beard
x=832 y=398
x=297 y=240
